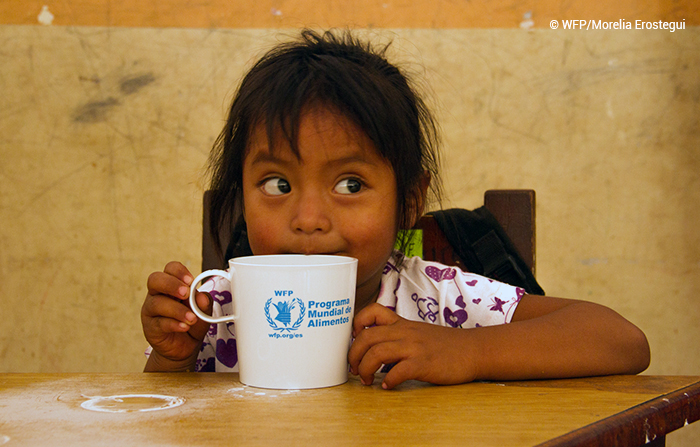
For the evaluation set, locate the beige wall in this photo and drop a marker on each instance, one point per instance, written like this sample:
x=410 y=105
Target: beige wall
x=105 y=130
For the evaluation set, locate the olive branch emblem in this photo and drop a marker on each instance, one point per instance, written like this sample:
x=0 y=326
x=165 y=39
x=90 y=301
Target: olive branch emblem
x=284 y=314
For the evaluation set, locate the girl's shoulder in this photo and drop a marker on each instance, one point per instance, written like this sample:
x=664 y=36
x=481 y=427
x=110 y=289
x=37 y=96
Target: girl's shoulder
x=416 y=267
x=444 y=294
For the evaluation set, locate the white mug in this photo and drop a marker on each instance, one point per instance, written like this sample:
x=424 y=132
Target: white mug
x=293 y=318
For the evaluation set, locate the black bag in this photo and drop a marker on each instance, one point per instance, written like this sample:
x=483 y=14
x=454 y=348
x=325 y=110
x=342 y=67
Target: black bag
x=484 y=248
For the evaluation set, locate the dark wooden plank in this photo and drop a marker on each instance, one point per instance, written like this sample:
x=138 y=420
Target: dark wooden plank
x=435 y=244
x=640 y=425
x=515 y=211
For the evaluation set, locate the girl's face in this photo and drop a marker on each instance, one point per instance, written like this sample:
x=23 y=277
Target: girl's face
x=339 y=197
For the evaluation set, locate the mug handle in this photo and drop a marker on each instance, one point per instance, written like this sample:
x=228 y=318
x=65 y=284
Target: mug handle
x=193 y=291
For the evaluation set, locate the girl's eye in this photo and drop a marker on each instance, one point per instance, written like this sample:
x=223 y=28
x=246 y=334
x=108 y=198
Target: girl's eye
x=276 y=186
x=348 y=186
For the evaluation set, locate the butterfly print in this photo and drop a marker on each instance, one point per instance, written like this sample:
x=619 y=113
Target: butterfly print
x=498 y=305
x=437 y=274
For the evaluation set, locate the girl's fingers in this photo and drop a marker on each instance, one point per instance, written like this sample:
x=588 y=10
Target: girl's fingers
x=371 y=326
x=401 y=372
x=392 y=340
x=384 y=353
x=373 y=315
x=371 y=348
x=169 y=325
x=175 y=281
x=162 y=307
x=179 y=271
x=360 y=346
x=162 y=283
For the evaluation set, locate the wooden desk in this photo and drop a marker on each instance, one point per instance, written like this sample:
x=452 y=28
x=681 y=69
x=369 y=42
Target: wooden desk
x=47 y=409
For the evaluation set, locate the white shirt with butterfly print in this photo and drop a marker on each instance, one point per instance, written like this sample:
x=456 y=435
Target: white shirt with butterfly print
x=427 y=291
x=415 y=289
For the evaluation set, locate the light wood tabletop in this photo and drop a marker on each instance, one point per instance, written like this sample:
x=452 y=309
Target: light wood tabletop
x=214 y=409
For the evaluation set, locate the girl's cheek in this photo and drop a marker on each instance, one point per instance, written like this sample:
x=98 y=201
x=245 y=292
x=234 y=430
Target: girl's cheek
x=261 y=239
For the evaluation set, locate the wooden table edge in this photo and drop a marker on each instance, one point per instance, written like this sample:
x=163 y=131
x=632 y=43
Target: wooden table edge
x=647 y=423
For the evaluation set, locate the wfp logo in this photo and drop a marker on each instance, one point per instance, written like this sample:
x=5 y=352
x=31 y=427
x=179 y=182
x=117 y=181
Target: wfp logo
x=286 y=312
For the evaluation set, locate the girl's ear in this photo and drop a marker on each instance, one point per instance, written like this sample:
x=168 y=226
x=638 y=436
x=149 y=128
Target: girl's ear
x=417 y=199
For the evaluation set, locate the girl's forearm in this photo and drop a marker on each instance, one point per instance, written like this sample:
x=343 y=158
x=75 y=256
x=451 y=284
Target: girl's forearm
x=572 y=340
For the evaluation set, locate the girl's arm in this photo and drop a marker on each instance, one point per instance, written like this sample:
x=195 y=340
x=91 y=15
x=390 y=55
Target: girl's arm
x=547 y=338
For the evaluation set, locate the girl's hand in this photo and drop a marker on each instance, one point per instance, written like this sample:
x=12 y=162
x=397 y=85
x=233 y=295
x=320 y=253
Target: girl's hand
x=171 y=328
x=420 y=351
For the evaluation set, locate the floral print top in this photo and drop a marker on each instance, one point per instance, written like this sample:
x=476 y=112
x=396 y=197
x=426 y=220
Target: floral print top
x=415 y=289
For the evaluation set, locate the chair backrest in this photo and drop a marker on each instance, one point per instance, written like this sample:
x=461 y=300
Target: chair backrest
x=514 y=209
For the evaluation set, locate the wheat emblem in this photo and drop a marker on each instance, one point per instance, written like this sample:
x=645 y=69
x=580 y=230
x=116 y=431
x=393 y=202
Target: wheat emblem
x=284 y=314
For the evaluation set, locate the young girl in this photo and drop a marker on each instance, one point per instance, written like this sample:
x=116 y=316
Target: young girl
x=327 y=149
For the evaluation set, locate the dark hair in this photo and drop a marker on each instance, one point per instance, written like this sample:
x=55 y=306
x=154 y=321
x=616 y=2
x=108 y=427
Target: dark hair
x=338 y=71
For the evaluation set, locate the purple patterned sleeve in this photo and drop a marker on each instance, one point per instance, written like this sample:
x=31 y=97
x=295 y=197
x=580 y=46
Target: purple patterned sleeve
x=427 y=291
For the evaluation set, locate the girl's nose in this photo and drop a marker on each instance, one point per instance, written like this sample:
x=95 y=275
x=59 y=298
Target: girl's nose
x=311 y=214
